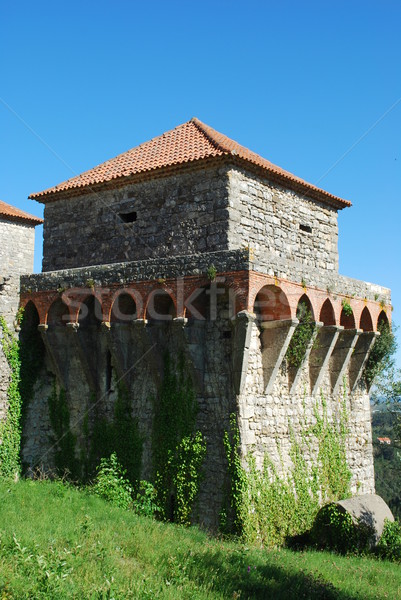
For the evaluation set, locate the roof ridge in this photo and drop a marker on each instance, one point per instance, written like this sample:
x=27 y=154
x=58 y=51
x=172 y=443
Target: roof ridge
x=206 y=130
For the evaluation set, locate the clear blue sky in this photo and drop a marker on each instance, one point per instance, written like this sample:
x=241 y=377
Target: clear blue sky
x=298 y=82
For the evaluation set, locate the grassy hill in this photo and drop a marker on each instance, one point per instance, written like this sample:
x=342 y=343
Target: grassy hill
x=59 y=542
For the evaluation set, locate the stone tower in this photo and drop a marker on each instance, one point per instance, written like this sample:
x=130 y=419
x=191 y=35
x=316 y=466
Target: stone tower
x=17 y=238
x=192 y=244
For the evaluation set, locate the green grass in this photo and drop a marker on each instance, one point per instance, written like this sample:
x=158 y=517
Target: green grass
x=58 y=542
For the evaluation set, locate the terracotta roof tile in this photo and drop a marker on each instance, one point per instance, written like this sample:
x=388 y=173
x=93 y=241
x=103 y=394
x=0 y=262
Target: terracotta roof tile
x=15 y=214
x=190 y=142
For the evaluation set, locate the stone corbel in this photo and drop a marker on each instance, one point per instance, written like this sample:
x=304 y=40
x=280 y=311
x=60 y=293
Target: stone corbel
x=320 y=355
x=242 y=332
x=276 y=337
x=317 y=327
x=341 y=357
x=360 y=356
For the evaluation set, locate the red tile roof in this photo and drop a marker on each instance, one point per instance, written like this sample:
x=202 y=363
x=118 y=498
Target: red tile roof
x=188 y=143
x=15 y=214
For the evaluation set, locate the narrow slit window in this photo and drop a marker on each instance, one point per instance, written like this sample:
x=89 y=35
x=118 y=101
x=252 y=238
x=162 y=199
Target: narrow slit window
x=109 y=372
x=128 y=217
x=306 y=228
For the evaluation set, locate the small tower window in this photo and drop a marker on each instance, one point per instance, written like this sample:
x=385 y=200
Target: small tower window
x=306 y=228
x=128 y=217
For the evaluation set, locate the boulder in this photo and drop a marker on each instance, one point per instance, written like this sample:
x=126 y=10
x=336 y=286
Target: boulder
x=368 y=509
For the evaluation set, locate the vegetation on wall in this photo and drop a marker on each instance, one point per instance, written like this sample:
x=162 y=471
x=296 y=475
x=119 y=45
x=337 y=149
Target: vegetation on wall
x=381 y=356
x=302 y=335
x=121 y=436
x=62 y=439
x=269 y=506
x=178 y=450
x=10 y=427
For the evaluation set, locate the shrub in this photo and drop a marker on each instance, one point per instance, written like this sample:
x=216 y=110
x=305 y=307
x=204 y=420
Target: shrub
x=111 y=483
x=145 y=503
x=389 y=545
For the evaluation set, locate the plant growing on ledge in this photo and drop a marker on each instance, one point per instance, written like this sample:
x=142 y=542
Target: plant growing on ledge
x=211 y=272
x=347 y=308
x=302 y=335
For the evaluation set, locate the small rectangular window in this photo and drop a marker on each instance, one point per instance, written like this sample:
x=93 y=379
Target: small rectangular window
x=128 y=217
x=306 y=228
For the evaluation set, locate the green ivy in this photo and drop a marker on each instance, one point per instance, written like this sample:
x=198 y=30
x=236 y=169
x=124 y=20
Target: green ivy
x=302 y=335
x=178 y=450
x=231 y=514
x=62 y=438
x=121 y=435
x=347 y=308
x=267 y=507
x=380 y=357
x=10 y=427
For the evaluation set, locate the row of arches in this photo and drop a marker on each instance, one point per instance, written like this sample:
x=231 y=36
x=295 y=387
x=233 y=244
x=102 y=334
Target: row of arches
x=202 y=303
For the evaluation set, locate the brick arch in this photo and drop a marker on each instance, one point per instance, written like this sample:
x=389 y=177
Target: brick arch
x=126 y=304
x=161 y=305
x=90 y=312
x=327 y=315
x=365 y=322
x=31 y=317
x=271 y=304
x=382 y=319
x=204 y=301
x=58 y=314
x=347 y=321
x=304 y=301
x=38 y=307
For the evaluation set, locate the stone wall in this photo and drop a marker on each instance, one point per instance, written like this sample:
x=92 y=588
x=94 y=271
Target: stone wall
x=178 y=214
x=281 y=224
x=268 y=419
x=16 y=257
x=200 y=210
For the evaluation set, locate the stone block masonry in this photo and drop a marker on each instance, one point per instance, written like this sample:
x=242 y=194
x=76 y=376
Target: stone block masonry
x=194 y=246
x=17 y=237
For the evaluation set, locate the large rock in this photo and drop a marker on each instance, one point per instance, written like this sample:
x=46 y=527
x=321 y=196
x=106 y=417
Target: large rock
x=368 y=509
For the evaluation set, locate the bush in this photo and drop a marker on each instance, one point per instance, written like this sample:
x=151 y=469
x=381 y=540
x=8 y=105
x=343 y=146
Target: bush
x=145 y=503
x=111 y=483
x=389 y=545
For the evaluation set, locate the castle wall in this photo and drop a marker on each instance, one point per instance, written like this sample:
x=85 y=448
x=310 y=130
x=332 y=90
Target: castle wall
x=178 y=214
x=270 y=219
x=267 y=420
x=16 y=257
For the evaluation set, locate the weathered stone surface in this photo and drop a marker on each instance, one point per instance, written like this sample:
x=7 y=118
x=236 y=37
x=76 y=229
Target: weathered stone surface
x=16 y=257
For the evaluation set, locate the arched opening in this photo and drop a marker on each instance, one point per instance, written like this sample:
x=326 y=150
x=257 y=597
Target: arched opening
x=123 y=309
x=304 y=309
x=366 y=323
x=347 y=319
x=271 y=304
x=301 y=338
x=90 y=313
x=197 y=306
x=327 y=316
x=160 y=307
x=58 y=315
x=382 y=321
